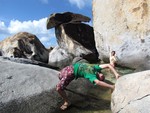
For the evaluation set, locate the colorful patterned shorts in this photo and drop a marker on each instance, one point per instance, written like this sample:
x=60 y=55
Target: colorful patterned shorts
x=66 y=75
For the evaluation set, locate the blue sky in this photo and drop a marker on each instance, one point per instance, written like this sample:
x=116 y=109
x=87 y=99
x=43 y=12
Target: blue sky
x=31 y=16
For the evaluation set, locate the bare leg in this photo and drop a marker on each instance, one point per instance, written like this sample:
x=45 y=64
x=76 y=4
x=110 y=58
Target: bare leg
x=66 y=76
x=65 y=98
x=63 y=95
x=111 y=68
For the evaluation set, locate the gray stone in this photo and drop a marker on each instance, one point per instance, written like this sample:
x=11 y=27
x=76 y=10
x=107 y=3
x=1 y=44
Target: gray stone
x=60 y=58
x=144 y=66
x=79 y=59
x=28 y=61
x=123 y=27
x=24 y=45
x=26 y=88
x=78 y=40
x=132 y=94
x=66 y=17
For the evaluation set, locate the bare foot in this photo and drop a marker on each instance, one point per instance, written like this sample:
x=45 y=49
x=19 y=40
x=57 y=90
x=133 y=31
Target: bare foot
x=65 y=106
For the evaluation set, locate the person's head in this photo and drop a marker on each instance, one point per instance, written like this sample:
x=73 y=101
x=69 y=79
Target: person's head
x=100 y=76
x=113 y=53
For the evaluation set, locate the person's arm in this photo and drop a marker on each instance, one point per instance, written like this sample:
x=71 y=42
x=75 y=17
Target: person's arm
x=111 y=68
x=114 y=58
x=104 y=84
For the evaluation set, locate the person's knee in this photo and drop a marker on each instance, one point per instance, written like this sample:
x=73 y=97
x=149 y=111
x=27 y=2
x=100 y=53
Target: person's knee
x=58 y=88
x=109 y=65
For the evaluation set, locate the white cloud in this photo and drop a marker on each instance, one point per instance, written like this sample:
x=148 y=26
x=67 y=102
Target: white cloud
x=3 y=28
x=3 y=31
x=44 y=39
x=2 y=24
x=36 y=27
x=29 y=26
x=81 y=3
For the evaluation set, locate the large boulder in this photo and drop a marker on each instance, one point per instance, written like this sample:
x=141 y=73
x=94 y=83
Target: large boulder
x=132 y=94
x=79 y=59
x=73 y=36
x=24 y=45
x=56 y=19
x=123 y=26
x=60 y=58
x=78 y=40
x=26 y=88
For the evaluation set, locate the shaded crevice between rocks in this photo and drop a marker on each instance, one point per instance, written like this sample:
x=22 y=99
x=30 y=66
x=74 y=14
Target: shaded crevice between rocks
x=133 y=101
x=28 y=61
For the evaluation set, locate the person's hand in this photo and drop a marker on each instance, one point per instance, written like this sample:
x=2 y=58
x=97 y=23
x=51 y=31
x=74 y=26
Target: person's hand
x=112 y=89
x=117 y=76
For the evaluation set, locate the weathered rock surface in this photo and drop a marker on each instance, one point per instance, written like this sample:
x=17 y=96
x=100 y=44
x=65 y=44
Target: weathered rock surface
x=79 y=59
x=132 y=94
x=123 y=26
x=145 y=66
x=24 y=45
x=66 y=17
x=26 y=88
x=78 y=40
x=58 y=57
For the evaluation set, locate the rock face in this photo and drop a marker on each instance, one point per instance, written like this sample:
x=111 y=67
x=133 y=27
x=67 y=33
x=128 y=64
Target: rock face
x=66 y=17
x=132 y=94
x=58 y=57
x=123 y=26
x=26 y=88
x=76 y=38
x=24 y=45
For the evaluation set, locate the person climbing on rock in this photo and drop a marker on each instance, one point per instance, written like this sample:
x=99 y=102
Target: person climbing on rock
x=92 y=72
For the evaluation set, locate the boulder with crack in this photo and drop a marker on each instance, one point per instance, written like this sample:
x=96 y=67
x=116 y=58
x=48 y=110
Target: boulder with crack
x=132 y=94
